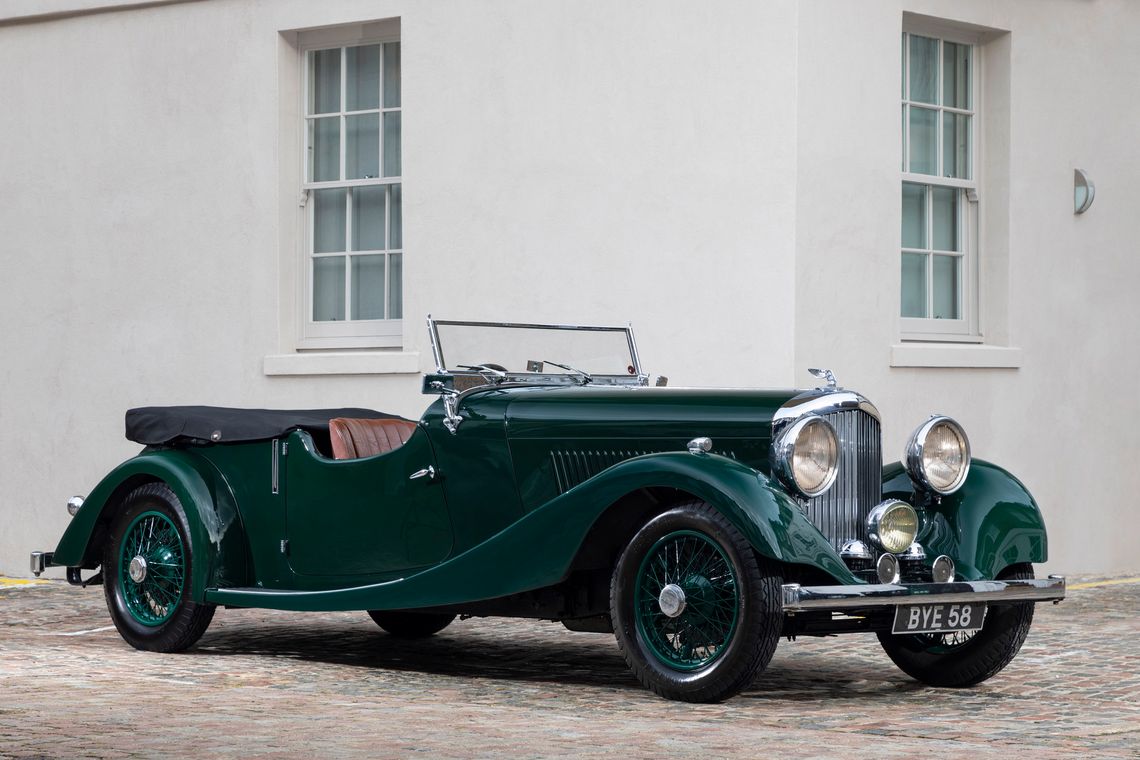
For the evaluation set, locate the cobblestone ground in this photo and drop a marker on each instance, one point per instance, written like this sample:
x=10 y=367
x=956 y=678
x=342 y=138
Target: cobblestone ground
x=269 y=684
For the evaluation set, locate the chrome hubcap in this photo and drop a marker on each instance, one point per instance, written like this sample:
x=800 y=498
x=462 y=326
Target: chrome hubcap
x=137 y=569
x=671 y=600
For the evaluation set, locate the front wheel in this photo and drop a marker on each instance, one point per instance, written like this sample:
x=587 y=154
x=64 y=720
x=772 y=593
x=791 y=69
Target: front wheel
x=146 y=570
x=965 y=658
x=696 y=613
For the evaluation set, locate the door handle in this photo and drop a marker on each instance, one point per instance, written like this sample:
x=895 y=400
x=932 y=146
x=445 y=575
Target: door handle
x=427 y=472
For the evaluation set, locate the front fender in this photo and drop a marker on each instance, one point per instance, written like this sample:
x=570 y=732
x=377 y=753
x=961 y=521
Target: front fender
x=760 y=509
x=988 y=524
x=216 y=536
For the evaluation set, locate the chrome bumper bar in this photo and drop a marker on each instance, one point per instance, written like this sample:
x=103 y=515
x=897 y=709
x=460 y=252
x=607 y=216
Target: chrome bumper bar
x=799 y=598
x=42 y=561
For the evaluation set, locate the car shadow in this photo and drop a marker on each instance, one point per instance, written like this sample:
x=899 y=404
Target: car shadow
x=538 y=654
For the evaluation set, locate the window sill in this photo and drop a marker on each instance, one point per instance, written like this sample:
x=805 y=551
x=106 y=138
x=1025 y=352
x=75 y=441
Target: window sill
x=343 y=363
x=955 y=355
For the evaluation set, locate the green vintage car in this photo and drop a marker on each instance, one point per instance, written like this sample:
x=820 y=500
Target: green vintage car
x=550 y=480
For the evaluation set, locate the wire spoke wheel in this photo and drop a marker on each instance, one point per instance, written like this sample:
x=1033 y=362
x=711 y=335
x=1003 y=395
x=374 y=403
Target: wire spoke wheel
x=965 y=658
x=686 y=600
x=152 y=568
x=695 y=610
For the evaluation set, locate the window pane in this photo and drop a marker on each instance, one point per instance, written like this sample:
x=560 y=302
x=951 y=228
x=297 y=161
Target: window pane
x=368 y=287
x=946 y=219
x=362 y=146
x=392 y=75
x=368 y=218
x=324 y=149
x=923 y=69
x=956 y=145
x=955 y=75
x=328 y=289
x=328 y=221
x=362 y=85
x=923 y=143
x=913 y=215
x=324 y=81
x=392 y=144
x=914 y=285
x=395 y=286
x=946 y=287
x=396 y=223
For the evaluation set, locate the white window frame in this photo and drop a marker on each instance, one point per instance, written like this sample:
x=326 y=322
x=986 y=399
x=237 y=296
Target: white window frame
x=361 y=333
x=967 y=327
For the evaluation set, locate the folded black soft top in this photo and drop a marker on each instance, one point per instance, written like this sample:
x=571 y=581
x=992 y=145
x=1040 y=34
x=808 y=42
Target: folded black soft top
x=169 y=424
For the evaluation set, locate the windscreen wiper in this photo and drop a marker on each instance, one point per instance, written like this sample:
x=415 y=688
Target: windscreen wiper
x=583 y=376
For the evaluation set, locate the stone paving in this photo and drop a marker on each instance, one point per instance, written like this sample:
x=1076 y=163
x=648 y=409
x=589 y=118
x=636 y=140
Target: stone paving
x=329 y=685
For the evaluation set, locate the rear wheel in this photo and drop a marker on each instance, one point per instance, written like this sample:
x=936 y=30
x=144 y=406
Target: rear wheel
x=411 y=625
x=147 y=573
x=966 y=658
x=696 y=613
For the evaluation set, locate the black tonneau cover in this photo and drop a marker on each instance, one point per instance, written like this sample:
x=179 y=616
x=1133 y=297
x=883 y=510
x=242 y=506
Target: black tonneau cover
x=170 y=424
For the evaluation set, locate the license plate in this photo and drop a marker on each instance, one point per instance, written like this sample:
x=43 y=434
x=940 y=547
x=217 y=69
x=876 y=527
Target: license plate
x=938 y=618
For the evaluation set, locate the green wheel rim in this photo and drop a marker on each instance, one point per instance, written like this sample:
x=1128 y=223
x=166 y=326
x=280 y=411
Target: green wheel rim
x=153 y=537
x=702 y=630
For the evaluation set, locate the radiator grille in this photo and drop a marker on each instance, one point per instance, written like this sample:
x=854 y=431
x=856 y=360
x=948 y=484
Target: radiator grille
x=841 y=512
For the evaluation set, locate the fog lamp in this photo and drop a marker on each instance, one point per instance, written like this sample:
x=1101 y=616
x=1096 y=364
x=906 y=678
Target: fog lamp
x=893 y=525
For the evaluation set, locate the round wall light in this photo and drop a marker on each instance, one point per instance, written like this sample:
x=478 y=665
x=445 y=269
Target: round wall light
x=1083 y=191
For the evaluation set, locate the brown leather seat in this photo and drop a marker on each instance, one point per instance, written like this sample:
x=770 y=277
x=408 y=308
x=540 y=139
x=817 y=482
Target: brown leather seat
x=356 y=438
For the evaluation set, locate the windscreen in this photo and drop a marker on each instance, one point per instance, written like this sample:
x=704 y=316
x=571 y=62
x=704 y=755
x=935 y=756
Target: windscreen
x=532 y=348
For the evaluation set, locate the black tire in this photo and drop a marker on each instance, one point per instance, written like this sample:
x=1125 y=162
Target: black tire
x=945 y=660
x=662 y=651
x=411 y=625
x=180 y=622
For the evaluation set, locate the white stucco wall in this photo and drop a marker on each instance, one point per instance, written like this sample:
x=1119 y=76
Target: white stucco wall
x=1064 y=421
x=579 y=161
x=724 y=175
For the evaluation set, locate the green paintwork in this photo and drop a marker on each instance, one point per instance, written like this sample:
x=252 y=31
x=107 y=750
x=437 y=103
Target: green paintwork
x=586 y=426
x=355 y=517
x=154 y=538
x=519 y=486
x=991 y=522
x=536 y=551
x=217 y=540
x=699 y=634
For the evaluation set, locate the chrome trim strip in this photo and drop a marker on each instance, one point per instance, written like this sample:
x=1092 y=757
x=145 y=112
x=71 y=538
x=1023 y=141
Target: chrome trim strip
x=274 y=469
x=529 y=326
x=821 y=401
x=799 y=598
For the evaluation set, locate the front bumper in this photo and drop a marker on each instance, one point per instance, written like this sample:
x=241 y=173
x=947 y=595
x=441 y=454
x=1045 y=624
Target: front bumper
x=799 y=598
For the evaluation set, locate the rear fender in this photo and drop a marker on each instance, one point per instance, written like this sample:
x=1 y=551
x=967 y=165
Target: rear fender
x=988 y=524
x=216 y=536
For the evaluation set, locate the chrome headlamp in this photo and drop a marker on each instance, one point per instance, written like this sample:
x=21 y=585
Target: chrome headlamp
x=938 y=455
x=806 y=455
x=893 y=525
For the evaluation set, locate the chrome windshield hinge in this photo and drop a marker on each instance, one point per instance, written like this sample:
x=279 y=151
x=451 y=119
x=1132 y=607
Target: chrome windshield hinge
x=450 y=396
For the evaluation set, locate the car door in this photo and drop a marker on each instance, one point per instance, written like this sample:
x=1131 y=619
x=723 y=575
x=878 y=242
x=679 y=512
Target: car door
x=379 y=516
